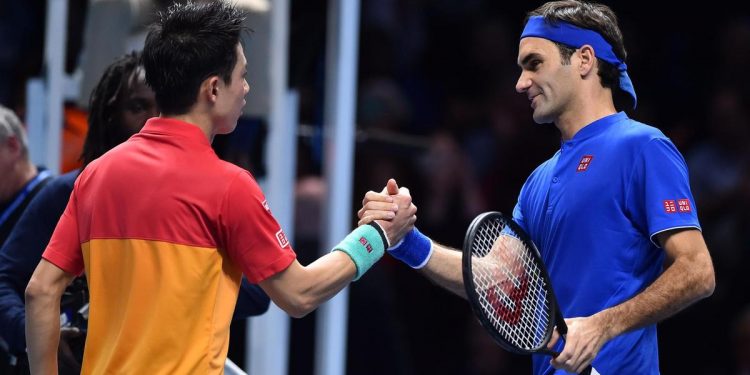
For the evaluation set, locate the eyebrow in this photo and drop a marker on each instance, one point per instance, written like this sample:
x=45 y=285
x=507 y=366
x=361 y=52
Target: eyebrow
x=529 y=57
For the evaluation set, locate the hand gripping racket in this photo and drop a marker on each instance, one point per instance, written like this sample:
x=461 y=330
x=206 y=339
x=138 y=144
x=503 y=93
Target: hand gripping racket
x=508 y=287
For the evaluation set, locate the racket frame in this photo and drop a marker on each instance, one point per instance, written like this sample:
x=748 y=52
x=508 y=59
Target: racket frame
x=473 y=297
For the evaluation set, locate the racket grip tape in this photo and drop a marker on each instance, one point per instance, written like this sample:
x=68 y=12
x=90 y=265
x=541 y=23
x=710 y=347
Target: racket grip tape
x=365 y=245
x=414 y=249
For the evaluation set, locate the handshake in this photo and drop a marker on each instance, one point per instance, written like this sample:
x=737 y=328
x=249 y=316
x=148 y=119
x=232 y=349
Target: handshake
x=392 y=210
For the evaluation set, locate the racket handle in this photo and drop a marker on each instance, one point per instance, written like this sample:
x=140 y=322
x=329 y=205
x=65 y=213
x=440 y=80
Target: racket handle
x=586 y=371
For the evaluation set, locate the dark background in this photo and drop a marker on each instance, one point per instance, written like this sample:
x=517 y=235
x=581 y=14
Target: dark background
x=437 y=110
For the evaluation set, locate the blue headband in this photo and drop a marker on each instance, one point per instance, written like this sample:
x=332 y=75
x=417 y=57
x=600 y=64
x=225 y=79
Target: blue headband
x=574 y=36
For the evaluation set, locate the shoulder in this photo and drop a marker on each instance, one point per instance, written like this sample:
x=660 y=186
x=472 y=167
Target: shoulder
x=62 y=183
x=56 y=190
x=634 y=132
x=237 y=180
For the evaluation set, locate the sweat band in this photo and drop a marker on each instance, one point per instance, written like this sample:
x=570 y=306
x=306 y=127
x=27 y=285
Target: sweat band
x=576 y=37
x=414 y=250
x=365 y=245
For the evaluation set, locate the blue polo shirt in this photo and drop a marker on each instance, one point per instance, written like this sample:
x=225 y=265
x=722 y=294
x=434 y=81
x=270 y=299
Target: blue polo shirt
x=593 y=210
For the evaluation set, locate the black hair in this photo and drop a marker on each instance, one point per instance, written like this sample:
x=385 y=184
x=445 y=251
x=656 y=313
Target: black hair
x=105 y=125
x=188 y=44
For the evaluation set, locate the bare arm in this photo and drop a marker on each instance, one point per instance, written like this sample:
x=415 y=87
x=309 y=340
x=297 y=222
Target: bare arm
x=444 y=269
x=687 y=278
x=43 y=295
x=298 y=290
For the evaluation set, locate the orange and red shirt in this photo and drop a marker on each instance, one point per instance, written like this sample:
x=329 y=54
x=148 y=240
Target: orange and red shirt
x=164 y=230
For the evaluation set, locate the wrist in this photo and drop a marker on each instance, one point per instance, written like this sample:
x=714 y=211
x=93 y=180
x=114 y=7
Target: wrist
x=415 y=249
x=365 y=245
x=607 y=324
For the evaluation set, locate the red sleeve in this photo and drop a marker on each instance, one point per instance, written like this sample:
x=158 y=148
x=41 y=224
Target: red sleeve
x=64 y=248
x=251 y=235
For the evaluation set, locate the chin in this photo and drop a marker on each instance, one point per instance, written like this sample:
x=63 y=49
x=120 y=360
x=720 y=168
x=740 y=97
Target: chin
x=227 y=127
x=542 y=118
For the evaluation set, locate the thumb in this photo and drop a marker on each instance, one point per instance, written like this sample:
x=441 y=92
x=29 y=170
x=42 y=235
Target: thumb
x=392 y=187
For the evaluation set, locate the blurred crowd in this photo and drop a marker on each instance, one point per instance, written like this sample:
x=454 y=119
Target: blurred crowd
x=437 y=111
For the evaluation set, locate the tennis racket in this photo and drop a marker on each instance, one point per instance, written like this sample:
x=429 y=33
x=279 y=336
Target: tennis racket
x=508 y=287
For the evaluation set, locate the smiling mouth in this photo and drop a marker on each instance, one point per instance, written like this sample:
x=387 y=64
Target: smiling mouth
x=531 y=99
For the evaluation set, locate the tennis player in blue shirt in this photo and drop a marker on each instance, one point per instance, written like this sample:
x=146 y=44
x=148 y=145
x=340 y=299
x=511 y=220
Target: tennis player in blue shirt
x=611 y=212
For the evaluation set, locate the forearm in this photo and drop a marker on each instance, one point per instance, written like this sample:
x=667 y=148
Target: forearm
x=43 y=294
x=42 y=332
x=444 y=269
x=683 y=282
x=325 y=277
x=299 y=290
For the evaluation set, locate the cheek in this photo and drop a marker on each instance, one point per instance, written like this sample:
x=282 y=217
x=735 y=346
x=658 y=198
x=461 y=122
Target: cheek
x=133 y=122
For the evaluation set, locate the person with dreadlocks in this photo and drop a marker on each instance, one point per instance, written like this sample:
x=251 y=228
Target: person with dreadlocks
x=120 y=104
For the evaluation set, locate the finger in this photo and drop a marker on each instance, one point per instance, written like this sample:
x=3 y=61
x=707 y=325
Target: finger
x=378 y=197
x=582 y=367
x=392 y=187
x=381 y=206
x=403 y=201
x=567 y=359
x=404 y=191
x=377 y=215
x=363 y=221
x=553 y=339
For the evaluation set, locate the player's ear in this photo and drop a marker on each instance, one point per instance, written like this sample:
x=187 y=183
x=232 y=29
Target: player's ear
x=210 y=88
x=587 y=58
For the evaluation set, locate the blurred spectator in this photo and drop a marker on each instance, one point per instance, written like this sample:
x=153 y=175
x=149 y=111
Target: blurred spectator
x=120 y=105
x=21 y=180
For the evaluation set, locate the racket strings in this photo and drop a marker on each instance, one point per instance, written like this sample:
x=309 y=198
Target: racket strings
x=511 y=289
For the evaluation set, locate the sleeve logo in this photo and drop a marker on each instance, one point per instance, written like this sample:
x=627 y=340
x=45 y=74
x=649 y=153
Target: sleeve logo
x=683 y=205
x=583 y=165
x=281 y=237
x=679 y=206
x=669 y=206
x=265 y=205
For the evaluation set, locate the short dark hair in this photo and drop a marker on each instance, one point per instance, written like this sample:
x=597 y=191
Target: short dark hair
x=188 y=44
x=592 y=16
x=105 y=125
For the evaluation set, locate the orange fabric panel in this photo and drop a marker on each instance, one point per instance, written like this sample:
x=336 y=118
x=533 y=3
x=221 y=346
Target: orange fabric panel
x=151 y=319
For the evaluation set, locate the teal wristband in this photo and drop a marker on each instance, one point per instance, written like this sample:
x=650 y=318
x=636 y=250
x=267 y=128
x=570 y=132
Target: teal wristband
x=365 y=245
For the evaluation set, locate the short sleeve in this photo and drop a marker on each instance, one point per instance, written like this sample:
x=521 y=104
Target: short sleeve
x=661 y=196
x=64 y=248
x=518 y=216
x=250 y=234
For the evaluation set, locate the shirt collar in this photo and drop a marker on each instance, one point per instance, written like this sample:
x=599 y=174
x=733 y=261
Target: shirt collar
x=175 y=128
x=596 y=127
